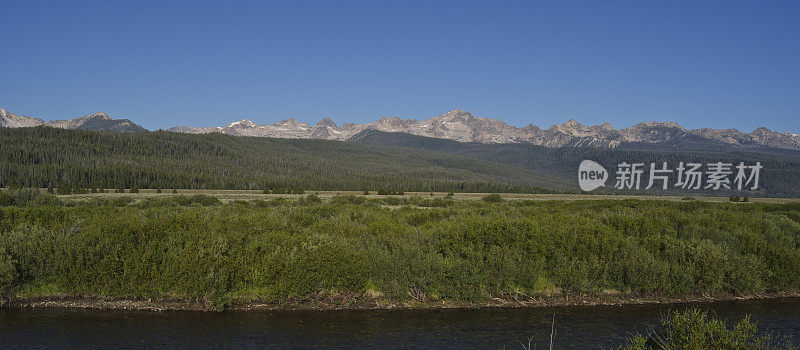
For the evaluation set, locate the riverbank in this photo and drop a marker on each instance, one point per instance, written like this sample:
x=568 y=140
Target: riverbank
x=365 y=302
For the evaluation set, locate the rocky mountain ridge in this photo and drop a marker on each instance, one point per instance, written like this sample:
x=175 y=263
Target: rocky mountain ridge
x=462 y=126
x=97 y=121
x=455 y=125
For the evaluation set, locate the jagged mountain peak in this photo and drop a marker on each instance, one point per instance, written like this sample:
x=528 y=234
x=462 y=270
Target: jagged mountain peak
x=244 y=123
x=458 y=112
x=532 y=128
x=327 y=122
x=763 y=131
x=394 y=119
x=387 y=124
x=290 y=120
x=11 y=120
x=291 y=123
x=572 y=123
x=96 y=116
x=101 y=115
x=455 y=116
x=572 y=128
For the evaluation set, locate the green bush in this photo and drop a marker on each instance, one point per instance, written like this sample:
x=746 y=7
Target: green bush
x=463 y=252
x=492 y=198
x=693 y=329
x=8 y=274
x=394 y=201
x=204 y=200
x=436 y=202
x=309 y=200
x=122 y=201
x=27 y=197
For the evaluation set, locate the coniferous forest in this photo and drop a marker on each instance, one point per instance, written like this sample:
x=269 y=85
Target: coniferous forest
x=70 y=161
x=779 y=178
x=83 y=160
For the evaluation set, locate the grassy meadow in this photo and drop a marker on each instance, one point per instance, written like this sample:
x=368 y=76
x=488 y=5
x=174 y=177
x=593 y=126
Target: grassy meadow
x=414 y=249
x=226 y=196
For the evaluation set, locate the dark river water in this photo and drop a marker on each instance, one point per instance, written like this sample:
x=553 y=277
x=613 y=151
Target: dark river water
x=575 y=327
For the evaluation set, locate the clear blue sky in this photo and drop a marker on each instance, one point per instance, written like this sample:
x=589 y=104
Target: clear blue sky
x=716 y=64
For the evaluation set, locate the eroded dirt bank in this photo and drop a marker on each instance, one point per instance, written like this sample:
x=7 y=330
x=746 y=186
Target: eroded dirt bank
x=365 y=302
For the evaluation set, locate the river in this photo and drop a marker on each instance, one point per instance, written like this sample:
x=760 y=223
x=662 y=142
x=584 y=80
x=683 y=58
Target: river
x=589 y=327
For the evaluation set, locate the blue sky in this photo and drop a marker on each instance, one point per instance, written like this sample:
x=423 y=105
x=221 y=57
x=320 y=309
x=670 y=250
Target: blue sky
x=702 y=64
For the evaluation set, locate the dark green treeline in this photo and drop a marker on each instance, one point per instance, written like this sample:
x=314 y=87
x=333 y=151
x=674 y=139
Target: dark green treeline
x=77 y=159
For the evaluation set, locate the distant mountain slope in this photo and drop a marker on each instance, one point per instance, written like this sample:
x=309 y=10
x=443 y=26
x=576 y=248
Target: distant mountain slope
x=462 y=126
x=11 y=120
x=97 y=121
x=780 y=176
x=46 y=156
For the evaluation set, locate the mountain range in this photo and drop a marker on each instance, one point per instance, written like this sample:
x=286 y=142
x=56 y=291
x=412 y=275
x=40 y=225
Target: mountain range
x=459 y=126
x=462 y=126
x=97 y=121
